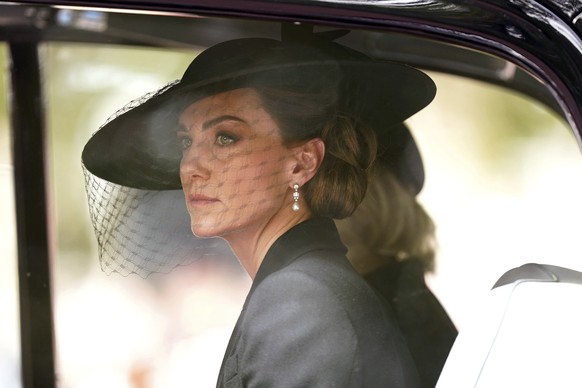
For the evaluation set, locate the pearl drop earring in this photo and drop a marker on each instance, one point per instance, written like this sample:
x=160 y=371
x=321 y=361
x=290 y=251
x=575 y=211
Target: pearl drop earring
x=295 y=206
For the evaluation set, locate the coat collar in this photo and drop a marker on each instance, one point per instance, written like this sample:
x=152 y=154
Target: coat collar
x=311 y=235
x=315 y=234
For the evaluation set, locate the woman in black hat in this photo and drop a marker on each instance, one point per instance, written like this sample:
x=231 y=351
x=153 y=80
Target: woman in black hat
x=269 y=141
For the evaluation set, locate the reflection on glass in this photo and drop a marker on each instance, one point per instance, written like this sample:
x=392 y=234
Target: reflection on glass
x=116 y=331
x=498 y=186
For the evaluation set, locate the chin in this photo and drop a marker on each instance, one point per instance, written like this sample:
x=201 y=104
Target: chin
x=212 y=228
x=207 y=228
x=202 y=231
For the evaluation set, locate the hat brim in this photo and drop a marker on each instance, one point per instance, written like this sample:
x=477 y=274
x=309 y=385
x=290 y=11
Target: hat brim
x=139 y=148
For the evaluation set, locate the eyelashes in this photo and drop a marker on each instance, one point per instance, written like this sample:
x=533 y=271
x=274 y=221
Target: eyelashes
x=222 y=139
x=225 y=139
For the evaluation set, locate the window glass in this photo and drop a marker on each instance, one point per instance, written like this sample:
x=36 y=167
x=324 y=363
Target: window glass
x=500 y=186
x=9 y=335
x=114 y=330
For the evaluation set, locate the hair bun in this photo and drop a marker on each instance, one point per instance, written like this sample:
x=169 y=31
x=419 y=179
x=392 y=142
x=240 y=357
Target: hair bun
x=341 y=182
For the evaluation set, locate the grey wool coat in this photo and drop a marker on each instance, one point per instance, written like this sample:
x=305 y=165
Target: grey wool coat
x=311 y=321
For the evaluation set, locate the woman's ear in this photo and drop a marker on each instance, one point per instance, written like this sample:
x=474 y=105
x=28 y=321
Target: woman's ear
x=308 y=159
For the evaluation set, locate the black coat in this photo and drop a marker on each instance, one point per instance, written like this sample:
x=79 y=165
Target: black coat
x=426 y=326
x=311 y=321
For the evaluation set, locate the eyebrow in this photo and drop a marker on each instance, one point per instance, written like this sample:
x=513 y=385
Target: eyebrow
x=217 y=120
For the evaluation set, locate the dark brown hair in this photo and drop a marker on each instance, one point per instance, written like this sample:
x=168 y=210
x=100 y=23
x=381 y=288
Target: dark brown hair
x=350 y=146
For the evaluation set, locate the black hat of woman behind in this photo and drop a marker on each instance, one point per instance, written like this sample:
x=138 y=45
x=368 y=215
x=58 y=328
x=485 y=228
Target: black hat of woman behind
x=139 y=149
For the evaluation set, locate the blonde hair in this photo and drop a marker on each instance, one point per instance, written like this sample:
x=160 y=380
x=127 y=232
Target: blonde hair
x=389 y=224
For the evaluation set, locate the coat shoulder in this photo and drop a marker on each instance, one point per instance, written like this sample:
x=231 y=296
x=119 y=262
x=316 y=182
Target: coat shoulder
x=296 y=332
x=322 y=321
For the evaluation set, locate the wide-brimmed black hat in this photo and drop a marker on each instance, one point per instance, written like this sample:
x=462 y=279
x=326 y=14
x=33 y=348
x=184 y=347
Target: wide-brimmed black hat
x=139 y=149
x=131 y=163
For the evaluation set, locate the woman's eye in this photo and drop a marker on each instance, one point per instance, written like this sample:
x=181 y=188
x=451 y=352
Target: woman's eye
x=185 y=142
x=224 y=140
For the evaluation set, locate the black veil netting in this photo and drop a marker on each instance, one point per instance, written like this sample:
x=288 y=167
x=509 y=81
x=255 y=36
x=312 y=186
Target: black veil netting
x=143 y=231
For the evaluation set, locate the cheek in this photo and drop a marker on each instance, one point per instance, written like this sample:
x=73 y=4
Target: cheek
x=262 y=175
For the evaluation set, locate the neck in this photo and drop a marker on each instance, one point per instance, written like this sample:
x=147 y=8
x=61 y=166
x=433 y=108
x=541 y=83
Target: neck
x=251 y=245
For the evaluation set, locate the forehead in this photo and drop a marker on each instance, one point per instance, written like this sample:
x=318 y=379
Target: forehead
x=243 y=101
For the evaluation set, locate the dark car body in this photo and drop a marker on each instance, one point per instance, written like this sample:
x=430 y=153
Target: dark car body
x=531 y=46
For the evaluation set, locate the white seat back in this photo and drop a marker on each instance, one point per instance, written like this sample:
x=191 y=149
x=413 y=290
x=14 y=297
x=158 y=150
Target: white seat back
x=528 y=333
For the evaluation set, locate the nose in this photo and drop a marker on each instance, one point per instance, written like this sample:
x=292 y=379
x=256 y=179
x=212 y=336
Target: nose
x=196 y=163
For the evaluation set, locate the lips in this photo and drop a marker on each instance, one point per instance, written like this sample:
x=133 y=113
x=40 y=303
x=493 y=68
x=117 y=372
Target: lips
x=201 y=200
